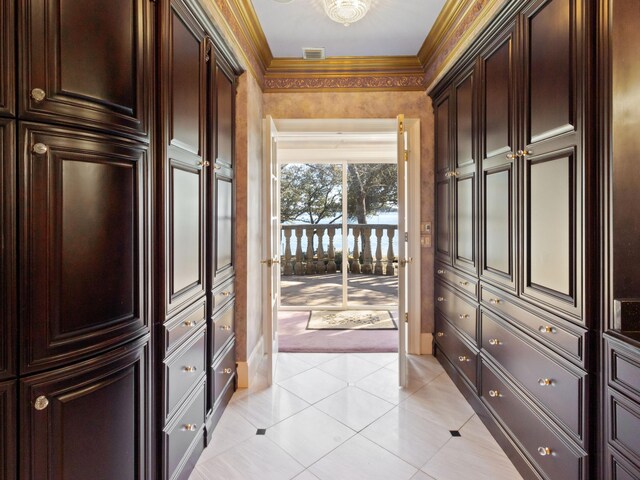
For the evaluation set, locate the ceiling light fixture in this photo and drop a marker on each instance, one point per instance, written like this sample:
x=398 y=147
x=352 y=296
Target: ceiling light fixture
x=346 y=12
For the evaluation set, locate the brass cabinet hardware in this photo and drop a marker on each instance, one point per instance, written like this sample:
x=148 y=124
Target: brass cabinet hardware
x=544 y=451
x=440 y=299
x=228 y=371
x=511 y=155
x=494 y=341
x=495 y=301
x=525 y=153
x=190 y=369
x=545 y=382
x=440 y=334
x=225 y=328
x=463 y=316
x=463 y=283
x=494 y=393
x=204 y=163
x=40 y=149
x=41 y=403
x=38 y=95
x=463 y=358
x=270 y=262
x=190 y=427
x=440 y=271
x=226 y=294
x=405 y=261
x=190 y=323
x=546 y=329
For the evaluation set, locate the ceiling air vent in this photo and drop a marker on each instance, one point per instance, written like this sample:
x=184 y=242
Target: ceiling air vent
x=313 y=53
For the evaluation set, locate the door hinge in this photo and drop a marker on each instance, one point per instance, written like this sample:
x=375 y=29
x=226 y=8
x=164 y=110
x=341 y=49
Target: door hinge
x=406 y=317
x=406 y=155
x=406 y=236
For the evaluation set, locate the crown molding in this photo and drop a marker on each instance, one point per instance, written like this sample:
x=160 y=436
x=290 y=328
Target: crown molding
x=398 y=64
x=451 y=12
x=248 y=19
x=353 y=82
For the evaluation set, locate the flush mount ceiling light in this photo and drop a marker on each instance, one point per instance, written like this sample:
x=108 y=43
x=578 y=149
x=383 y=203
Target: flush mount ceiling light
x=346 y=12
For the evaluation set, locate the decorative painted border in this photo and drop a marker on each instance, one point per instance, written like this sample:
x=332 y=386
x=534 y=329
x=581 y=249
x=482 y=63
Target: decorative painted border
x=350 y=82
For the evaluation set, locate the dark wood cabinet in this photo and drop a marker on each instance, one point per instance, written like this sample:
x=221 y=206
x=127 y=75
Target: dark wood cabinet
x=90 y=420
x=8 y=430
x=442 y=110
x=8 y=287
x=7 y=58
x=84 y=229
x=87 y=65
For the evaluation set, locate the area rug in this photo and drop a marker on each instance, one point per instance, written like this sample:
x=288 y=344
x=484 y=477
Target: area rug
x=351 y=320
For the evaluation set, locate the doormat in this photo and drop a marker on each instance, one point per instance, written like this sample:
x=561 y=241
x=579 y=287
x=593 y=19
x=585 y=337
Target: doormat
x=351 y=320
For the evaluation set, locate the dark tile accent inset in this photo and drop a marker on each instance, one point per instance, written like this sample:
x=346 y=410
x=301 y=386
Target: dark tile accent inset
x=261 y=431
x=455 y=433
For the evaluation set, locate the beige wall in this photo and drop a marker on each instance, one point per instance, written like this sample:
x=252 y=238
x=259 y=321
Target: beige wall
x=374 y=105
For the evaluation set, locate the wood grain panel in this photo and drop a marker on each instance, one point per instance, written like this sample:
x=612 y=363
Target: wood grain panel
x=8 y=430
x=7 y=59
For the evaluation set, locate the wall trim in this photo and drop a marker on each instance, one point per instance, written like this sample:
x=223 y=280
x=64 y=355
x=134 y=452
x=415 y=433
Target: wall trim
x=426 y=344
x=247 y=370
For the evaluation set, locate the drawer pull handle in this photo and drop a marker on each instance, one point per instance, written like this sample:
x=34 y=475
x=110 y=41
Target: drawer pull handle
x=494 y=341
x=226 y=294
x=203 y=163
x=495 y=301
x=38 y=95
x=190 y=369
x=463 y=316
x=40 y=149
x=228 y=371
x=440 y=334
x=494 y=393
x=440 y=299
x=190 y=427
x=544 y=451
x=545 y=382
x=463 y=358
x=511 y=156
x=546 y=329
x=525 y=153
x=190 y=323
x=225 y=328
x=440 y=271
x=41 y=403
x=463 y=283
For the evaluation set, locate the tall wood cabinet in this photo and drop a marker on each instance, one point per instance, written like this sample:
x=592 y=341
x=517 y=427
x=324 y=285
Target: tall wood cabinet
x=513 y=323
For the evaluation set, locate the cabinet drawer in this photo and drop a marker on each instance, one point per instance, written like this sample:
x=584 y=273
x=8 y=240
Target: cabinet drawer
x=619 y=468
x=177 y=329
x=551 y=332
x=623 y=368
x=562 y=391
x=462 y=282
x=543 y=445
x=222 y=328
x=458 y=311
x=185 y=431
x=624 y=425
x=183 y=370
x=222 y=294
x=456 y=350
x=223 y=372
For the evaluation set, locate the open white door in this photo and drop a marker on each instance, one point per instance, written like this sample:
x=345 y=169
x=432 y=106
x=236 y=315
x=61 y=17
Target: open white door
x=404 y=261
x=271 y=246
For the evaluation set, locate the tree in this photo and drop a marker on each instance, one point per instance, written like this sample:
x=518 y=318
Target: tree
x=372 y=188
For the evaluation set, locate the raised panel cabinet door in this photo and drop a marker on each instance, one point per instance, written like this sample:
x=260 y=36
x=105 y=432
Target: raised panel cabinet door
x=8 y=287
x=8 y=430
x=554 y=60
x=185 y=71
x=90 y=420
x=223 y=225
x=443 y=135
x=7 y=58
x=464 y=184
x=498 y=175
x=443 y=167
x=84 y=243
x=225 y=115
x=85 y=64
x=443 y=221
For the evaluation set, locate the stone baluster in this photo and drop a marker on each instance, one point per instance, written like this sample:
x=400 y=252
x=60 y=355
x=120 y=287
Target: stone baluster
x=299 y=266
x=378 y=268
x=331 y=251
x=320 y=267
x=355 y=266
x=310 y=268
x=288 y=268
x=390 y=255
x=367 y=266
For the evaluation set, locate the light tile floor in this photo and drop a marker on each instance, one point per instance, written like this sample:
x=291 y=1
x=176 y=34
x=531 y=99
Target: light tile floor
x=342 y=417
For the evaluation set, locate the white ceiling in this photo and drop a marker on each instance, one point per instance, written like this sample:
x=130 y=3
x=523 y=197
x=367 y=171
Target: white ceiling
x=391 y=27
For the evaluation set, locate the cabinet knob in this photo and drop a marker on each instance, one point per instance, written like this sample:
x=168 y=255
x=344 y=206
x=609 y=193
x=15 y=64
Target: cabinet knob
x=440 y=271
x=546 y=329
x=544 y=451
x=494 y=393
x=463 y=316
x=495 y=301
x=38 y=95
x=225 y=328
x=190 y=369
x=545 y=382
x=226 y=294
x=462 y=358
x=190 y=427
x=440 y=299
x=204 y=163
x=41 y=403
x=190 y=323
x=494 y=341
x=40 y=149
x=463 y=283
x=525 y=153
x=228 y=371
x=511 y=155
x=440 y=334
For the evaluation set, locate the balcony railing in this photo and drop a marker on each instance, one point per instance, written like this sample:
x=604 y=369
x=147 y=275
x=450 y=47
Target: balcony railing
x=319 y=255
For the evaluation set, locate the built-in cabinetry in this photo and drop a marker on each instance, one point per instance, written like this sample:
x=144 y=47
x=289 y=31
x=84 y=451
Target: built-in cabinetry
x=512 y=196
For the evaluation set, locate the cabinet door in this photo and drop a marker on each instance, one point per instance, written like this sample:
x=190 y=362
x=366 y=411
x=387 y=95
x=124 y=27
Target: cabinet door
x=7 y=58
x=465 y=184
x=8 y=287
x=87 y=63
x=88 y=421
x=223 y=225
x=498 y=207
x=553 y=155
x=443 y=180
x=225 y=115
x=84 y=233
x=8 y=415
x=185 y=69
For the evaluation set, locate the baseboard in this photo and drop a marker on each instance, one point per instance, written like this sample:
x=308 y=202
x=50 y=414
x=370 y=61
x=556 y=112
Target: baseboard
x=426 y=344
x=247 y=370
